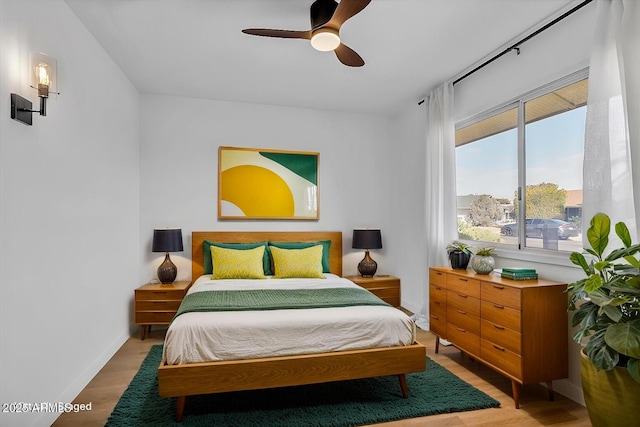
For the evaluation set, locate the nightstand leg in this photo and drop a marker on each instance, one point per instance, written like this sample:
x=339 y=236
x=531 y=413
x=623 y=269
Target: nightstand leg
x=550 y=391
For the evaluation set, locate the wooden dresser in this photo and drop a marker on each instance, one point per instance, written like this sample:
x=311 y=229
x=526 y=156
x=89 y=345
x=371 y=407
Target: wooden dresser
x=156 y=304
x=518 y=328
x=387 y=288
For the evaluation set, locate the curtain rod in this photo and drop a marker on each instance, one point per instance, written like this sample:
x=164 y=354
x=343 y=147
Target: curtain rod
x=516 y=45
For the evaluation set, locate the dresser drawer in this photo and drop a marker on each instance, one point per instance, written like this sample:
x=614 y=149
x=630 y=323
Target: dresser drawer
x=150 y=317
x=504 y=337
x=463 y=285
x=499 y=356
x=503 y=295
x=463 y=339
x=463 y=320
x=157 y=305
x=463 y=302
x=501 y=315
x=438 y=325
x=438 y=308
x=437 y=278
x=437 y=293
x=160 y=294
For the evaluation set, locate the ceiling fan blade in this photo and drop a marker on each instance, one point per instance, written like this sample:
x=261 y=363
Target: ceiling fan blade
x=348 y=56
x=345 y=10
x=284 y=34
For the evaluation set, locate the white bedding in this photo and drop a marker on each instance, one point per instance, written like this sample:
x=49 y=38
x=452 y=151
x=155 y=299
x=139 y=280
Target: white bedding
x=230 y=335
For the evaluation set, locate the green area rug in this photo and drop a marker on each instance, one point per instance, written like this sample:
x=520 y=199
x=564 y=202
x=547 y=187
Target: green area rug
x=345 y=403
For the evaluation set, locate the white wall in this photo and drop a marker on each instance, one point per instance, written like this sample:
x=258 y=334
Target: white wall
x=69 y=213
x=558 y=51
x=179 y=170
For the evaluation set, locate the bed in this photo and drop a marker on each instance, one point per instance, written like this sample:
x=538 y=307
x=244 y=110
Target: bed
x=180 y=376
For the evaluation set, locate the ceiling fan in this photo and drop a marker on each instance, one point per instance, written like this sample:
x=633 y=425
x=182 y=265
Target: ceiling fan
x=327 y=16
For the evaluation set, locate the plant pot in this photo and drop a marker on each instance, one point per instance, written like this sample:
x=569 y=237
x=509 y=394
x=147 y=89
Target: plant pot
x=483 y=264
x=611 y=396
x=459 y=260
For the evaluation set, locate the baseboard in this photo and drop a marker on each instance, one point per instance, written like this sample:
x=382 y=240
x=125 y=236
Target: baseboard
x=569 y=390
x=72 y=391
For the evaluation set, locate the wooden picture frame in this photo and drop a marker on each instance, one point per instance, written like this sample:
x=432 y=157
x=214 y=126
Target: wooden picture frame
x=258 y=183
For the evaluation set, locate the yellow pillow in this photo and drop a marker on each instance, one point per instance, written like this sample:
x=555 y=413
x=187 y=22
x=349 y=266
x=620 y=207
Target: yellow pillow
x=303 y=263
x=237 y=264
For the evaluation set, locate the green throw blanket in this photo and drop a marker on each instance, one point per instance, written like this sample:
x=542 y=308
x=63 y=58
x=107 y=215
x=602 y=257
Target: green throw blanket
x=276 y=299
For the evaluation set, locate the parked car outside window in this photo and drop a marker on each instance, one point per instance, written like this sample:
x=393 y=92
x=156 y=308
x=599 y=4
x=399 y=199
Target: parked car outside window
x=535 y=227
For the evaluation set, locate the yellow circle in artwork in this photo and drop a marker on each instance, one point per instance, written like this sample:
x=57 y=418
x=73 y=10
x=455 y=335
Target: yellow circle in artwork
x=257 y=191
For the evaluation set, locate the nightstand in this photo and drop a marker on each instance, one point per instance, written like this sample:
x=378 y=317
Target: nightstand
x=387 y=288
x=156 y=304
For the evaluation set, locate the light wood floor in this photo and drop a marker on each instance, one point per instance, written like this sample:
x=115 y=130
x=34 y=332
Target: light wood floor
x=535 y=408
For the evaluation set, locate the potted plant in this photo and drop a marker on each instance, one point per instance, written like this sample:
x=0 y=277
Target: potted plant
x=483 y=261
x=607 y=316
x=459 y=255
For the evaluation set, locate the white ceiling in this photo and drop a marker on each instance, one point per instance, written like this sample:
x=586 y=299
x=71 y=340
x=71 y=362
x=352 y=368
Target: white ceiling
x=195 y=48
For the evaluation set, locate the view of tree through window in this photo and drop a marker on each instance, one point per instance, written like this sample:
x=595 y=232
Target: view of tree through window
x=495 y=196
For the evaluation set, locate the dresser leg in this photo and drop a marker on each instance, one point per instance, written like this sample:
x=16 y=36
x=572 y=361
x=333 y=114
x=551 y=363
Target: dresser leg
x=143 y=331
x=437 y=344
x=515 y=387
x=550 y=391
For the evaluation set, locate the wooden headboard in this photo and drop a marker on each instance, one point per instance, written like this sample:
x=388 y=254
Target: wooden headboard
x=197 y=237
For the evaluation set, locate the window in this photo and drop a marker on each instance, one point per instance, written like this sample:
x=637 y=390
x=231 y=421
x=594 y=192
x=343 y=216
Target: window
x=522 y=164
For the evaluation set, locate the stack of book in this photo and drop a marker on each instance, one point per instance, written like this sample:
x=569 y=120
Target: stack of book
x=519 y=273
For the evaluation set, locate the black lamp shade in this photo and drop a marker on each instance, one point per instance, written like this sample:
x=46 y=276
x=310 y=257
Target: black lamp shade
x=367 y=239
x=167 y=240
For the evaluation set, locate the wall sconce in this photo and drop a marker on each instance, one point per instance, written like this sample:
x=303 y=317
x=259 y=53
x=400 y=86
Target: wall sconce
x=43 y=77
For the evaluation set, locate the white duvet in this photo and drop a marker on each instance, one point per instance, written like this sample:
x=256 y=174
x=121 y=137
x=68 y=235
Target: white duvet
x=231 y=335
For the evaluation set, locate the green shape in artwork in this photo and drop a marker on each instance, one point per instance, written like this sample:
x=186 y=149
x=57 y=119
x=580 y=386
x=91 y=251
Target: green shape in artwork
x=304 y=165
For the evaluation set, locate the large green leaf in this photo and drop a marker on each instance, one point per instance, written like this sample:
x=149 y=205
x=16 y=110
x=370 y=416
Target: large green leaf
x=624 y=338
x=633 y=366
x=601 y=355
x=623 y=233
x=594 y=282
x=598 y=233
x=578 y=259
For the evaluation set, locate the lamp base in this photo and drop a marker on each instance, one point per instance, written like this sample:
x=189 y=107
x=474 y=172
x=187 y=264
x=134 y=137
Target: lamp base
x=167 y=271
x=367 y=266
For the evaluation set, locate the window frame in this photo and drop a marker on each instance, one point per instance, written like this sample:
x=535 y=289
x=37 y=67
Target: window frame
x=521 y=251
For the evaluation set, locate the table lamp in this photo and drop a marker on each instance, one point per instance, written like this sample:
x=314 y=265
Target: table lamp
x=167 y=240
x=367 y=239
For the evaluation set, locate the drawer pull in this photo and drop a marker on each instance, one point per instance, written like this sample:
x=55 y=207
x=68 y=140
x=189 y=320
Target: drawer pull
x=463 y=296
x=501 y=307
x=498 y=327
x=461 y=311
x=436 y=303
x=498 y=287
x=461 y=330
x=498 y=347
x=438 y=288
x=159 y=292
x=435 y=317
x=464 y=280
x=438 y=273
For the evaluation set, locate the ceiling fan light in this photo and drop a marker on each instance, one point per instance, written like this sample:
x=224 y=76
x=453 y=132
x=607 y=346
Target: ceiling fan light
x=325 y=40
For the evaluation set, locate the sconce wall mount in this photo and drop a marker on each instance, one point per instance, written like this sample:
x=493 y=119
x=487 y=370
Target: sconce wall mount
x=43 y=78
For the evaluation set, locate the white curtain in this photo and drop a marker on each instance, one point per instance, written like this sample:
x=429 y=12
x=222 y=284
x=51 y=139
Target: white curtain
x=440 y=199
x=611 y=185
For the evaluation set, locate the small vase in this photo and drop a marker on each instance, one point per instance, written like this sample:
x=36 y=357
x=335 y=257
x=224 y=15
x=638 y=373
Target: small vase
x=459 y=260
x=483 y=264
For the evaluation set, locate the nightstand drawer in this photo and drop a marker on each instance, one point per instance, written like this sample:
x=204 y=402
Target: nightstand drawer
x=158 y=305
x=387 y=288
x=160 y=294
x=149 y=317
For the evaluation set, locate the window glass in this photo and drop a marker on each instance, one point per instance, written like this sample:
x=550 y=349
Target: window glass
x=487 y=176
x=491 y=188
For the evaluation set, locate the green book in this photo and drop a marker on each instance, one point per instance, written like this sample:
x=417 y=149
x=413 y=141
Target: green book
x=530 y=276
x=517 y=270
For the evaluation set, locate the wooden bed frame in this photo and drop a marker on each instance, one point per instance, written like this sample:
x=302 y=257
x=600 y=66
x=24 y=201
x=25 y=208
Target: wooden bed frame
x=250 y=374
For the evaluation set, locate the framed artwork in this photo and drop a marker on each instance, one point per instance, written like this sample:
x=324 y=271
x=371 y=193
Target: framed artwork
x=255 y=183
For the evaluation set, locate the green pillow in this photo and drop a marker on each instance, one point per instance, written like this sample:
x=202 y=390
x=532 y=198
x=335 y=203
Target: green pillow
x=298 y=263
x=326 y=245
x=237 y=264
x=206 y=250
